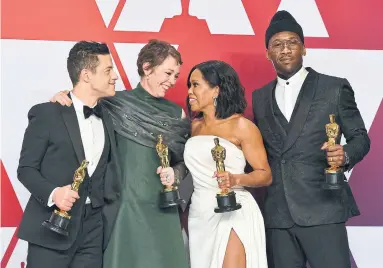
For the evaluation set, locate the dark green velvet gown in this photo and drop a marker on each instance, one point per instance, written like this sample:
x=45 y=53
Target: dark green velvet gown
x=144 y=236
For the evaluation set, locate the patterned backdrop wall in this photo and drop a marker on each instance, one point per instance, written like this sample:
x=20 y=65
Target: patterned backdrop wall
x=343 y=38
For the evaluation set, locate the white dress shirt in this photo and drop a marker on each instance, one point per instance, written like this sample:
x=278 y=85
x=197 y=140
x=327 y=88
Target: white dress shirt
x=287 y=91
x=92 y=136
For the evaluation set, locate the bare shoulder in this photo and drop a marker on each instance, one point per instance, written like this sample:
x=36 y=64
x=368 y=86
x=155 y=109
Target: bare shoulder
x=246 y=128
x=242 y=123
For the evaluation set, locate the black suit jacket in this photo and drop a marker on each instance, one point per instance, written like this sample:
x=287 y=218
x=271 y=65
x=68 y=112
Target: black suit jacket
x=295 y=157
x=52 y=150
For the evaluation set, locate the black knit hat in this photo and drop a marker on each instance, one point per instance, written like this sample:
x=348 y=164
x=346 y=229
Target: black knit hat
x=283 y=21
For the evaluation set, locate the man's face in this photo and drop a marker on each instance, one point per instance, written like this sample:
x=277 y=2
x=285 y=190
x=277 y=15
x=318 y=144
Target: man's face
x=103 y=79
x=286 y=51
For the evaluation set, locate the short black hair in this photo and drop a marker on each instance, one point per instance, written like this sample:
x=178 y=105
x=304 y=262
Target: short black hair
x=231 y=98
x=83 y=55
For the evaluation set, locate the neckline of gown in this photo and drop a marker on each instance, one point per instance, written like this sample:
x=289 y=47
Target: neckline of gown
x=143 y=94
x=233 y=145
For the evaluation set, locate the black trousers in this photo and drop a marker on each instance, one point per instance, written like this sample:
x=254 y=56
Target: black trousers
x=323 y=246
x=85 y=252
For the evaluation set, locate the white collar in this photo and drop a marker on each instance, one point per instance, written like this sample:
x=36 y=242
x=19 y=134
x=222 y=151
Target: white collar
x=77 y=103
x=299 y=76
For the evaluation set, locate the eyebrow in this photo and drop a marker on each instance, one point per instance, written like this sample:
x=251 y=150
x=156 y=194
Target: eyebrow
x=290 y=38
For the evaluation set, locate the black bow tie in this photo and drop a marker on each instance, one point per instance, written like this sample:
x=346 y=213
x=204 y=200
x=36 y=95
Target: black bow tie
x=96 y=110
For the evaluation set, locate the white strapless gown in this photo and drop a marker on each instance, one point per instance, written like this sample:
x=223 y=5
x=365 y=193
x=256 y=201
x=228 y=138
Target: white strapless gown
x=209 y=231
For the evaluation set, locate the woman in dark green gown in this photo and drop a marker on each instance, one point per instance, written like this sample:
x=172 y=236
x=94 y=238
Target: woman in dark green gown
x=145 y=236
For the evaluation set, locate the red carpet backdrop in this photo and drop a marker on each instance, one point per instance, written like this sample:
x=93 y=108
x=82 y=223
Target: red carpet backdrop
x=343 y=38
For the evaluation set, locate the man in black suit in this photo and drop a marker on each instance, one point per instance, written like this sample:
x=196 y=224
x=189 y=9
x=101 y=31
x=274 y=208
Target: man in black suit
x=304 y=221
x=57 y=139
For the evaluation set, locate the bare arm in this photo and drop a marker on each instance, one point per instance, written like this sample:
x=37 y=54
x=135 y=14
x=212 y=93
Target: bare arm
x=255 y=154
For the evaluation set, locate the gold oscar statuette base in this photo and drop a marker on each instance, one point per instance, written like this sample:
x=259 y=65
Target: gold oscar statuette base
x=169 y=196
x=334 y=179
x=59 y=220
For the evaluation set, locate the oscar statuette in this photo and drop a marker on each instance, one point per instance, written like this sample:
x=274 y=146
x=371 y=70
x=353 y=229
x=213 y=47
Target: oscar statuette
x=334 y=174
x=59 y=220
x=226 y=198
x=169 y=196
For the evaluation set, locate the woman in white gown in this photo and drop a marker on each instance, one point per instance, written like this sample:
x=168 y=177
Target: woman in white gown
x=233 y=239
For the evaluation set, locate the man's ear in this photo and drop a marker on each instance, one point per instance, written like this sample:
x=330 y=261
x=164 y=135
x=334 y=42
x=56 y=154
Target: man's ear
x=84 y=75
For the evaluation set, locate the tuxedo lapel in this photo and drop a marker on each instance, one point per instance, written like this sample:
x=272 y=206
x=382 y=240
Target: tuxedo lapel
x=108 y=123
x=71 y=123
x=109 y=126
x=301 y=109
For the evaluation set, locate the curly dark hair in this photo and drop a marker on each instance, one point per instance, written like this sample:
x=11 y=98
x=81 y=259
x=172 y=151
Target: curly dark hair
x=231 y=99
x=154 y=53
x=83 y=55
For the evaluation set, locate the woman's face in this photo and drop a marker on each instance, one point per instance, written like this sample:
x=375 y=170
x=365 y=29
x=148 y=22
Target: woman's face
x=201 y=94
x=162 y=77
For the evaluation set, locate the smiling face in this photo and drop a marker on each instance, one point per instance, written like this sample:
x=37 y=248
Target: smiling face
x=103 y=79
x=286 y=51
x=162 y=77
x=201 y=94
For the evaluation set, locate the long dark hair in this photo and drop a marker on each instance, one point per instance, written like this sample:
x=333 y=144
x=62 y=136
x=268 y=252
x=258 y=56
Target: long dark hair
x=231 y=98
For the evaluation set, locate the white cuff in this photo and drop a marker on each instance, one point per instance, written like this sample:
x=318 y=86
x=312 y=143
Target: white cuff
x=50 y=199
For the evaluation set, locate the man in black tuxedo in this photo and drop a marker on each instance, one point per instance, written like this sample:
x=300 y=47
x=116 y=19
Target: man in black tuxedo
x=57 y=139
x=305 y=222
